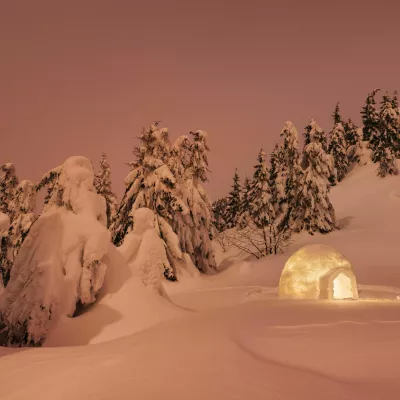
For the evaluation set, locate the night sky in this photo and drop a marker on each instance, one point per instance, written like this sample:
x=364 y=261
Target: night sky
x=82 y=77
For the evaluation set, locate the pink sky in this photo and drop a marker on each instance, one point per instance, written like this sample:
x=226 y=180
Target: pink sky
x=82 y=77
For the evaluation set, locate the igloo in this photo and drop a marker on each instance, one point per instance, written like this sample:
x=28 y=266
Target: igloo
x=318 y=272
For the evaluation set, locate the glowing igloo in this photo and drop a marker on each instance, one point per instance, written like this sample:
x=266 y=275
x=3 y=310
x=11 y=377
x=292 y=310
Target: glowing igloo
x=318 y=272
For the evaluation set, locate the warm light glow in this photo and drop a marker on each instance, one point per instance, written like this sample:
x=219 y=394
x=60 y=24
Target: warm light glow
x=342 y=287
x=318 y=272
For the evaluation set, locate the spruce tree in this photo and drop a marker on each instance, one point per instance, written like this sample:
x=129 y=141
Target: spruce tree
x=199 y=203
x=276 y=187
x=219 y=212
x=245 y=207
x=338 y=150
x=385 y=143
x=337 y=118
x=8 y=186
x=179 y=165
x=23 y=214
x=370 y=117
x=233 y=208
x=353 y=142
x=314 y=211
x=289 y=164
x=261 y=209
x=102 y=183
x=314 y=133
x=150 y=184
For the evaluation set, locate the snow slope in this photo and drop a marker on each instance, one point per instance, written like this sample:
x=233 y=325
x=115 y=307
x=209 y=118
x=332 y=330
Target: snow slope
x=239 y=341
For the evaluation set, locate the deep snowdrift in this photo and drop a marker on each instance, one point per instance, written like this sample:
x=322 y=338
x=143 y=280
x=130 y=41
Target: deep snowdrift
x=133 y=296
x=241 y=341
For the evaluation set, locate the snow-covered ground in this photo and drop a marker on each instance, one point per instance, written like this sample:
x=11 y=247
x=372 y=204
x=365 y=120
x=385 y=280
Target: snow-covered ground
x=229 y=336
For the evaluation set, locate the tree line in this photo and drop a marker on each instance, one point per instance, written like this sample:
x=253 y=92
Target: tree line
x=289 y=193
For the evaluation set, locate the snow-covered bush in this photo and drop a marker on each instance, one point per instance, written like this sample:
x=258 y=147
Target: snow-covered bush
x=62 y=260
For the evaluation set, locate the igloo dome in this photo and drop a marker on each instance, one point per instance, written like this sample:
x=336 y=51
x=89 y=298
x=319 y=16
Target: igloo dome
x=318 y=272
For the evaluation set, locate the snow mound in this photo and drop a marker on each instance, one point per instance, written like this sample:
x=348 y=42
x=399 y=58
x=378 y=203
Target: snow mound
x=133 y=296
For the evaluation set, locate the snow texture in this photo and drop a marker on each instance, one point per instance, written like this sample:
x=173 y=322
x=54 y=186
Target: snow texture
x=241 y=341
x=4 y=225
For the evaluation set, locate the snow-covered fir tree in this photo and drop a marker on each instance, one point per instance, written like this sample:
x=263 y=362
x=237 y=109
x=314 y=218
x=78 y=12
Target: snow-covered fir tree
x=354 y=146
x=22 y=213
x=178 y=163
x=338 y=150
x=245 y=207
x=385 y=143
x=168 y=180
x=62 y=261
x=219 y=212
x=199 y=203
x=261 y=208
x=370 y=117
x=151 y=184
x=102 y=183
x=314 y=211
x=289 y=167
x=8 y=186
x=386 y=159
x=276 y=187
x=49 y=182
x=314 y=133
x=233 y=208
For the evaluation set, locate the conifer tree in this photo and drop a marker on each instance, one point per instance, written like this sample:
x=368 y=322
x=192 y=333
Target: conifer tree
x=102 y=183
x=50 y=182
x=8 y=186
x=353 y=142
x=233 y=208
x=199 y=203
x=338 y=150
x=314 y=211
x=22 y=214
x=314 y=133
x=370 y=117
x=245 y=207
x=150 y=184
x=290 y=167
x=179 y=164
x=337 y=118
x=385 y=143
x=276 y=188
x=261 y=209
x=219 y=212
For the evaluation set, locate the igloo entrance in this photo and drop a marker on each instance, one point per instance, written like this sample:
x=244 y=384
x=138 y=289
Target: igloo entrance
x=342 y=287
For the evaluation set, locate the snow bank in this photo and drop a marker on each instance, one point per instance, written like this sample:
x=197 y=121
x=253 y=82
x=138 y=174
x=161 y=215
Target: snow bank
x=133 y=296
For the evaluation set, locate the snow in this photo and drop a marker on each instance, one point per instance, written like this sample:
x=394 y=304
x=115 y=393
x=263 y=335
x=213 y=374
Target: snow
x=61 y=262
x=4 y=225
x=229 y=336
